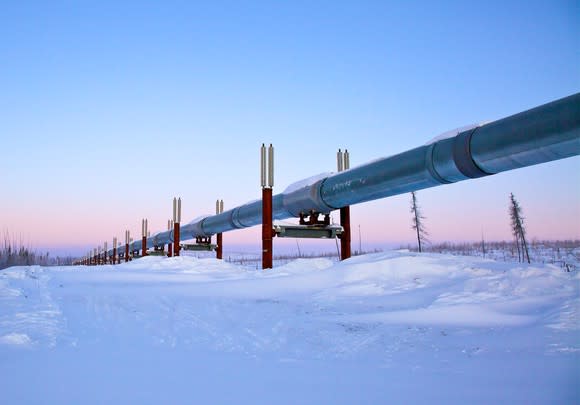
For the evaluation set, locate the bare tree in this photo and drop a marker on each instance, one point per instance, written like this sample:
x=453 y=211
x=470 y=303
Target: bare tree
x=518 y=229
x=417 y=220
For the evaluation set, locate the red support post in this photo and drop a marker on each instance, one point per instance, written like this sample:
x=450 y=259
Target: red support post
x=219 y=208
x=345 y=252
x=219 y=250
x=126 y=252
x=267 y=232
x=176 y=239
x=143 y=237
x=114 y=260
x=343 y=163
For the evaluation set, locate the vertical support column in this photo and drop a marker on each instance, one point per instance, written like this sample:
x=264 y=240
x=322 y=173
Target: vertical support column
x=219 y=208
x=131 y=249
x=119 y=252
x=114 y=259
x=345 y=238
x=105 y=253
x=267 y=244
x=176 y=222
x=127 y=238
x=144 y=237
x=169 y=245
x=267 y=182
x=343 y=160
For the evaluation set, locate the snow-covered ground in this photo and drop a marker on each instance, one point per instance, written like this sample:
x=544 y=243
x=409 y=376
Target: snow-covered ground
x=394 y=327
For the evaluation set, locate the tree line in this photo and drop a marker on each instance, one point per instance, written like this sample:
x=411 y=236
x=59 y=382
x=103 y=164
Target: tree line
x=545 y=251
x=13 y=253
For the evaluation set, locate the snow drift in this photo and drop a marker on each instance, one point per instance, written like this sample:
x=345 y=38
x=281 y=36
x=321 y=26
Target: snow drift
x=384 y=328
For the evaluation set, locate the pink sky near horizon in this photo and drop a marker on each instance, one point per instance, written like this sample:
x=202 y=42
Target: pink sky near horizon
x=464 y=211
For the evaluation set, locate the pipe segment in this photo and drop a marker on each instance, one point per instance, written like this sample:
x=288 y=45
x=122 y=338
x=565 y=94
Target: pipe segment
x=542 y=134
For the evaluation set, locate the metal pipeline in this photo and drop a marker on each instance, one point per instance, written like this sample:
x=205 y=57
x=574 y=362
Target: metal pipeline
x=542 y=134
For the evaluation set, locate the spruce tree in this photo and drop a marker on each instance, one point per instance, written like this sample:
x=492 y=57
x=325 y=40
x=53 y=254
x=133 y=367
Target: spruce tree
x=417 y=221
x=518 y=229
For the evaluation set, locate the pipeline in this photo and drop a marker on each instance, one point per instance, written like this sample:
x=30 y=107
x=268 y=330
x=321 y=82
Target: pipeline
x=543 y=134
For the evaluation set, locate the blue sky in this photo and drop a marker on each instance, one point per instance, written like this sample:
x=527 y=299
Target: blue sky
x=109 y=109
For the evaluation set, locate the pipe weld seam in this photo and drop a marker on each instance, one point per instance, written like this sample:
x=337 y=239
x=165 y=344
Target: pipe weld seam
x=431 y=165
x=320 y=186
x=235 y=219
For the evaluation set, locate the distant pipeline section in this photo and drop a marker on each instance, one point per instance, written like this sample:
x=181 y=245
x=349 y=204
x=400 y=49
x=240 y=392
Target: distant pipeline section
x=543 y=134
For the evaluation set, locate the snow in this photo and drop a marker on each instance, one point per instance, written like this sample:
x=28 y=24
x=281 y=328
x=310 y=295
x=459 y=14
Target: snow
x=393 y=327
x=307 y=182
x=454 y=132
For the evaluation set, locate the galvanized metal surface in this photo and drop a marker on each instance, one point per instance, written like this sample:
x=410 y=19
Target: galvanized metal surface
x=307 y=231
x=542 y=134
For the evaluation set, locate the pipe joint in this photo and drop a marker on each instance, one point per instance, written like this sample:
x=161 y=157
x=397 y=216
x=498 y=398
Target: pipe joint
x=463 y=158
x=305 y=199
x=194 y=229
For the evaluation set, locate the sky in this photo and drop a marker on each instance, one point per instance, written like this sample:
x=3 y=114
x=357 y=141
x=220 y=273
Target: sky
x=109 y=109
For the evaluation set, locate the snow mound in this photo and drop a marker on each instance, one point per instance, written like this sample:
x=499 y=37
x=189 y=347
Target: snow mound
x=303 y=266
